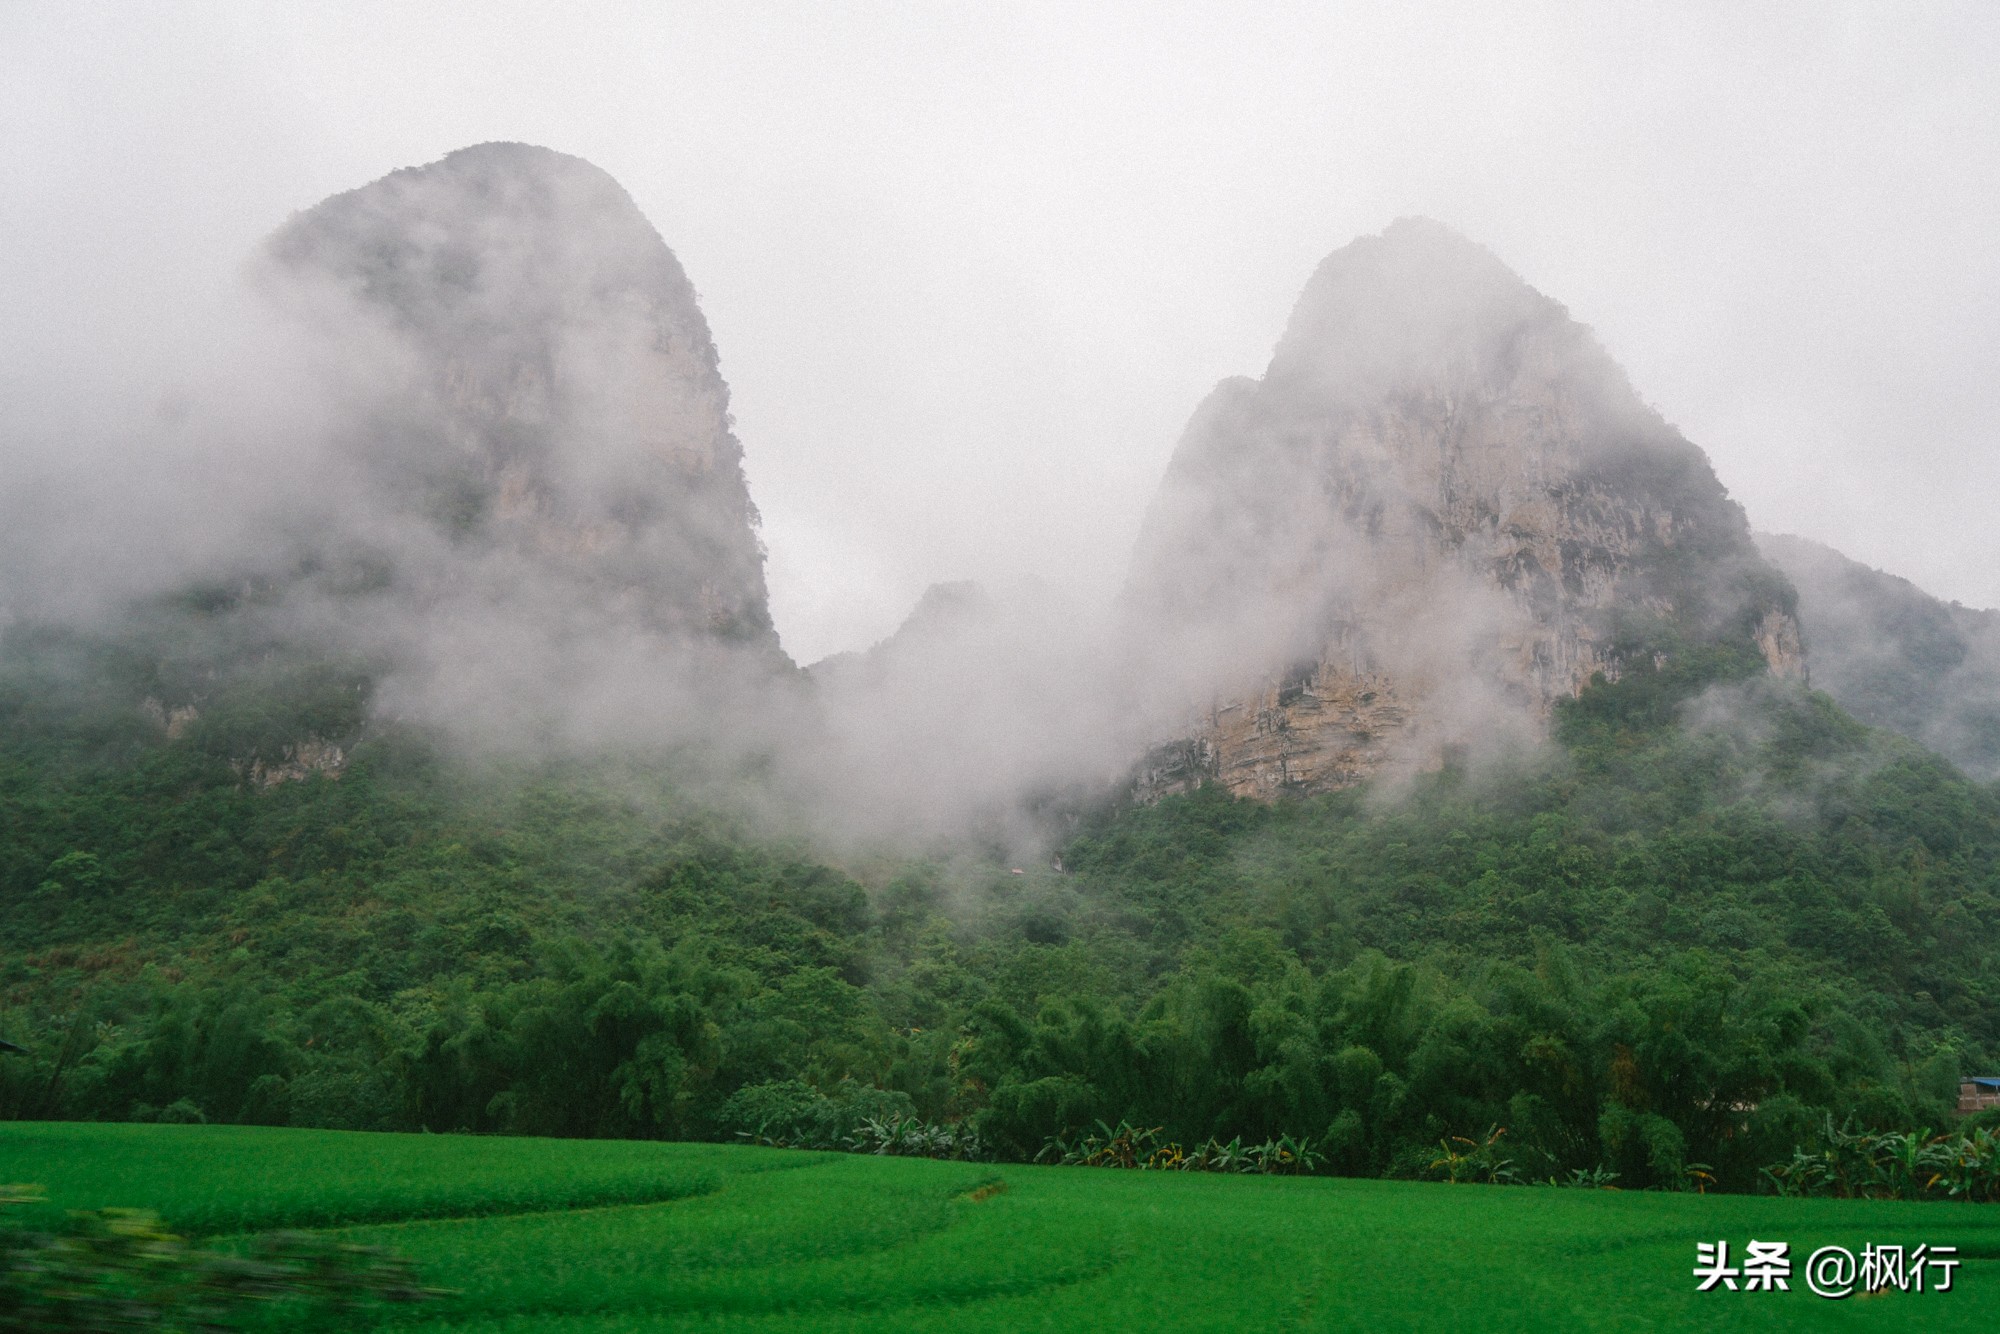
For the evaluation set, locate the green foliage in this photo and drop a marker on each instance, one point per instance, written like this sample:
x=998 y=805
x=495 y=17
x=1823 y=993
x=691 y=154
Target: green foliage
x=1849 y=1163
x=1128 y=1146
x=1586 y=1178
x=785 y=1241
x=1716 y=913
x=120 y=1269
x=790 y=1113
x=1461 y=1159
x=208 y=1181
x=912 y=1137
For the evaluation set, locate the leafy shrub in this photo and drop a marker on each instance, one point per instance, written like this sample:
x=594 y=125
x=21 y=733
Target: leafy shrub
x=120 y=1269
x=1142 y=1147
x=1461 y=1159
x=914 y=1137
x=1893 y=1165
x=792 y=1114
x=1586 y=1178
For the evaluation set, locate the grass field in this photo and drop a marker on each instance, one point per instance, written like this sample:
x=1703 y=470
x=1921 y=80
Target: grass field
x=590 y=1236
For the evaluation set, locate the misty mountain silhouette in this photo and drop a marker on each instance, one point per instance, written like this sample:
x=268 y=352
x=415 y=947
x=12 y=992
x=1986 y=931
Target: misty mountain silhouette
x=1896 y=657
x=545 y=385
x=1441 y=510
x=459 y=783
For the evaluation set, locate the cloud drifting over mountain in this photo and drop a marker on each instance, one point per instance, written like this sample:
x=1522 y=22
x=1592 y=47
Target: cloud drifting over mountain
x=971 y=270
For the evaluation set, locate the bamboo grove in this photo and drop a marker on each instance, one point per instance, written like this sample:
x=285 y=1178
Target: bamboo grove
x=1665 y=950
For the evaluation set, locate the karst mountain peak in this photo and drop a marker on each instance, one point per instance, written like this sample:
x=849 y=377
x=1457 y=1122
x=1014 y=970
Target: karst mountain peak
x=1441 y=510
x=955 y=668
x=544 y=385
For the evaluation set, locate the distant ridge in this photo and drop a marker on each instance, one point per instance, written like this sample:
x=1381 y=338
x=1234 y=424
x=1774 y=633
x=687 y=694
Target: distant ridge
x=1895 y=656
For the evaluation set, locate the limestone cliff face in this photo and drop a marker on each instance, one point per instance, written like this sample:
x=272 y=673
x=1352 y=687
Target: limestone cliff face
x=539 y=381
x=1442 y=509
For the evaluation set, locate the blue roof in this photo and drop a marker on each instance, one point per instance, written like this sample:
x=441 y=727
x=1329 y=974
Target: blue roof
x=1984 y=1081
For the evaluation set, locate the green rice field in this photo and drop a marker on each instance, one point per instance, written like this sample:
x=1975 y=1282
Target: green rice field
x=591 y=1235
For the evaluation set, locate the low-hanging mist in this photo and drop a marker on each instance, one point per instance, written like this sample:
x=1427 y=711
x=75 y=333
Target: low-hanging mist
x=394 y=736
x=464 y=433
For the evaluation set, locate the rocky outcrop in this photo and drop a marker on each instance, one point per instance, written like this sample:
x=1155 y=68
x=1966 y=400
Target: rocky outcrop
x=173 y=723
x=529 y=381
x=1441 y=510
x=299 y=761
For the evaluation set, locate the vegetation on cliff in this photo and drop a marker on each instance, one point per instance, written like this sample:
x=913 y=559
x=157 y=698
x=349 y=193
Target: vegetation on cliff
x=1896 y=657
x=1715 y=912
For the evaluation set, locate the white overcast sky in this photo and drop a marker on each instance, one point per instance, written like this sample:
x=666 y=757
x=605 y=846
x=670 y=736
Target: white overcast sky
x=971 y=266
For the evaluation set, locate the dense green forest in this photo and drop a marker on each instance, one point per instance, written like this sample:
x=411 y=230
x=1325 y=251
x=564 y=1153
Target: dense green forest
x=1714 y=912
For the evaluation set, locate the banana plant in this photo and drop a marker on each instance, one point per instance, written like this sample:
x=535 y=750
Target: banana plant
x=1475 y=1160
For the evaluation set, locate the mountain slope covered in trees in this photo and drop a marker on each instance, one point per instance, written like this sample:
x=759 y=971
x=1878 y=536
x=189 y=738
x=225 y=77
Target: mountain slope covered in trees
x=487 y=800
x=1897 y=657
x=1715 y=911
